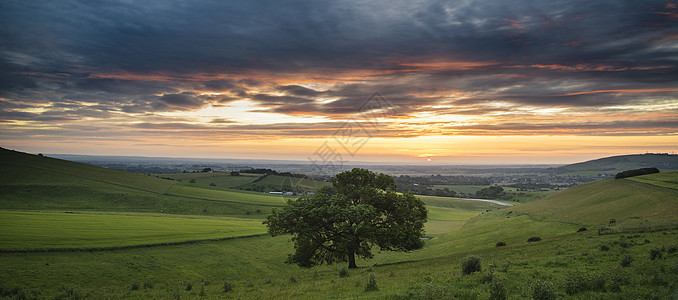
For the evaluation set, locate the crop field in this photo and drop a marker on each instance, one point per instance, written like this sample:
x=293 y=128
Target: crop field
x=51 y=230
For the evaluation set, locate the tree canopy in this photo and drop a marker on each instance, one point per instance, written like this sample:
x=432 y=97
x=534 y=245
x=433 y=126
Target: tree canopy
x=359 y=211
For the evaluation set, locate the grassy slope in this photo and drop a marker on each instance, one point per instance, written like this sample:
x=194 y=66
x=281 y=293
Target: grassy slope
x=624 y=162
x=597 y=202
x=219 y=179
x=31 y=182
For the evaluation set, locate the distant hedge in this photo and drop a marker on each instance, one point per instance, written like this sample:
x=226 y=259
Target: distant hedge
x=637 y=172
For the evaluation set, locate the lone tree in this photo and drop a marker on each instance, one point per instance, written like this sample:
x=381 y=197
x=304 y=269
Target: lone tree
x=361 y=210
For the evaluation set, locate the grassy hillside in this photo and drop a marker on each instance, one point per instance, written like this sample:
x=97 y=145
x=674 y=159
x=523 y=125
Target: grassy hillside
x=615 y=164
x=649 y=198
x=224 y=180
x=31 y=182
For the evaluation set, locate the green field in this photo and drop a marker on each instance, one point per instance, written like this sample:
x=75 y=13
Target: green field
x=49 y=230
x=665 y=179
x=115 y=211
x=255 y=199
x=218 y=179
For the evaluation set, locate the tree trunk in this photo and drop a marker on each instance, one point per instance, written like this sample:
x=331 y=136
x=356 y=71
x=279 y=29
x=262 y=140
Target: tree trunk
x=351 y=261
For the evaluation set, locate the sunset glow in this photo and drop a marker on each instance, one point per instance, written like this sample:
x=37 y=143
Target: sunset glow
x=472 y=83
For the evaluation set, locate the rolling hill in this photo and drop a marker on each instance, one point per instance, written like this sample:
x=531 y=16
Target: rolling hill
x=32 y=182
x=651 y=198
x=615 y=164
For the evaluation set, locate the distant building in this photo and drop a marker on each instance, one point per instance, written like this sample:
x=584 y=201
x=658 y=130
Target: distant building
x=277 y=193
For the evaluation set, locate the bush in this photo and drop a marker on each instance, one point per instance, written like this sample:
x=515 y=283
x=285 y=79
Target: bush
x=534 y=239
x=656 y=253
x=581 y=229
x=542 y=290
x=228 y=287
x=626 y=260
x=470 y=264
x=135 y=286
x=497 y=289
x=604 y=248
x=189 y=286
x=672 y=249
x=501 y=244
x=213 y=184
x=192 y=180
x=371 y=284
x=343 y=272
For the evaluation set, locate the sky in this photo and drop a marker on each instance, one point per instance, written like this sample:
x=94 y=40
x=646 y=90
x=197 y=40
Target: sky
x=425 y=82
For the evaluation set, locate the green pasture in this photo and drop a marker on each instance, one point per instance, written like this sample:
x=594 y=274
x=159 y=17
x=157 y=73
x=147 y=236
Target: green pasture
x=218 y=179
x=47 y=230
x=597 y=202
x=663 y=179
x=443 y=220
x=457 y=203
x=227 y=195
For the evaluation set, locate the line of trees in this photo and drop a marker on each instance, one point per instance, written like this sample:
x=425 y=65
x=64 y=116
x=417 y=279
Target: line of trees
x=636 y=172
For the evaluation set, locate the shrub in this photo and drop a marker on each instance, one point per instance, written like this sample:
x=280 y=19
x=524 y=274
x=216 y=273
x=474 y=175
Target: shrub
x=626 y=260
x=542 y=290
x=213 y=184
x=343 y=272
x=497 y=289
x=501 y=244
x=470 y=264
x=672 y=249
x=228 y=286
x=202 y=290
x=581 y=229
x=189 y=286
x=371 y=284
x=656 y=253
x=135 y=286
x=534 y=239
x=604 y=248
x=293 y=280
x=192 y=180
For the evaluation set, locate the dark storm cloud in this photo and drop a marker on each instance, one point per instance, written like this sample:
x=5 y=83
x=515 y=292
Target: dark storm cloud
x=418 y=54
